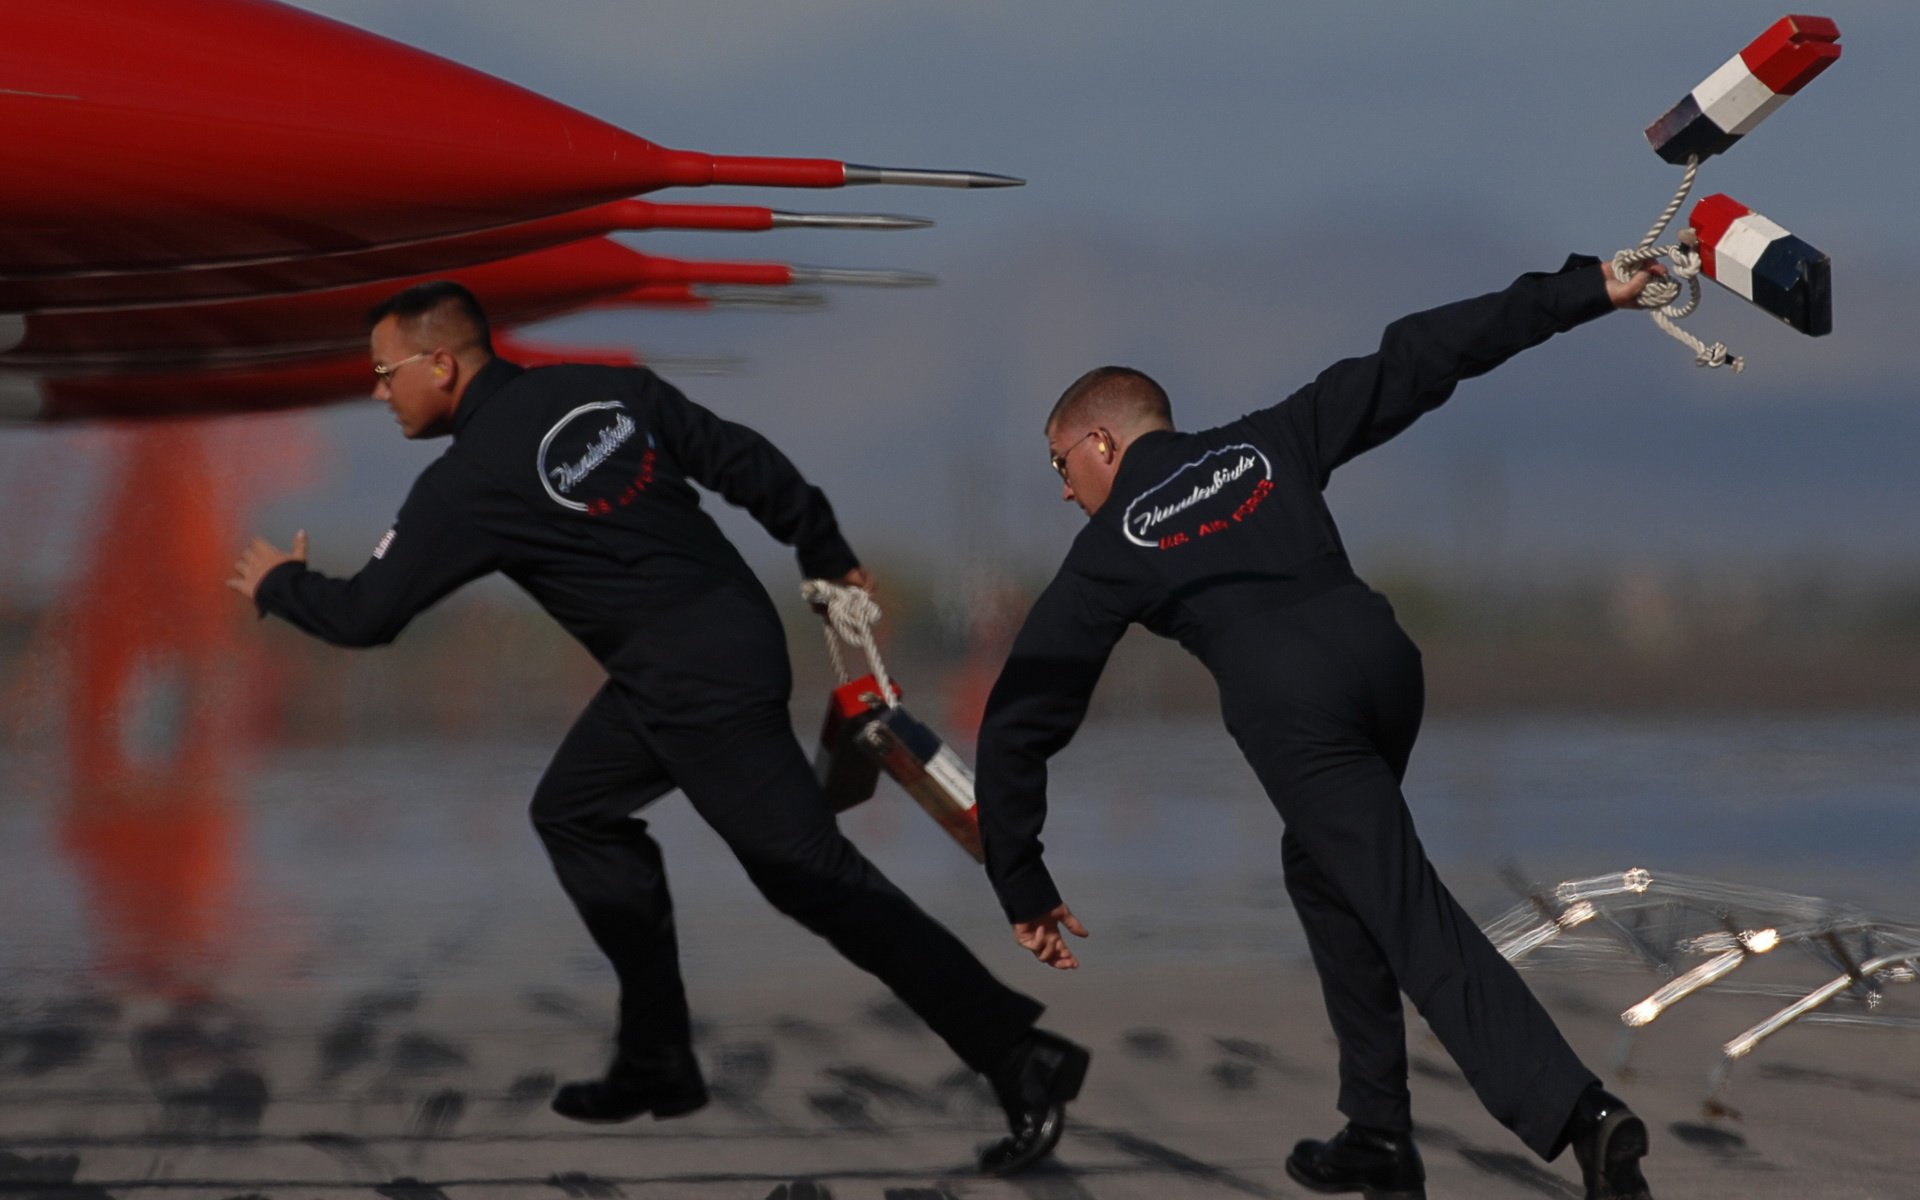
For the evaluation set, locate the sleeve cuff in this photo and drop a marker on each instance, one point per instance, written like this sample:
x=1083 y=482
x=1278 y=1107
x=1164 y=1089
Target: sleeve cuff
x=271 y=583
x=1028 y=894
x=828 y=558
x=1577 y=292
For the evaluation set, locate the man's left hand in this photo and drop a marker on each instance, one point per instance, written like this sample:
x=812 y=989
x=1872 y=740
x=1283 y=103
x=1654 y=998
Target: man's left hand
x=1042 y=937
x=856 y=578
x=259 y=558
x=1626 y=294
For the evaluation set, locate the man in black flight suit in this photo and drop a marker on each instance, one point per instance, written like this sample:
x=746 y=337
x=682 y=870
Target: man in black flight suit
x=1222 y=540
x=574 y=481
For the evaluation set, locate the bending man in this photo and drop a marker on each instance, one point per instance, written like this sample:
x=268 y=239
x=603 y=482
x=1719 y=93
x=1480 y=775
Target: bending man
x=575 y=482
x=1222 y=540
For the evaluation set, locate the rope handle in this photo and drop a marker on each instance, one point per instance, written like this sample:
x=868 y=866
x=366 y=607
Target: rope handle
x=851 y=615
x=1659 y=296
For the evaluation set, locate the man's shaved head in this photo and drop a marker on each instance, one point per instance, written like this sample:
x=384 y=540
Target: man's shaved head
x=1117 y=398
x=439 y=314
x=427 y=343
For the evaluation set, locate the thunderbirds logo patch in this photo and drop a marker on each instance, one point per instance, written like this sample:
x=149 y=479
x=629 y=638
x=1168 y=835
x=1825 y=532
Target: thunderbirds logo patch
x=582 y=464
x=1208 y=496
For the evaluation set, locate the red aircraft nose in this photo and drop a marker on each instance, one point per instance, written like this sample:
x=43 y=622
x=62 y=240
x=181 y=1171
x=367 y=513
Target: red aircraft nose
x=515 y=291
x=438 y=256
x=298 y=383
x=144 y=134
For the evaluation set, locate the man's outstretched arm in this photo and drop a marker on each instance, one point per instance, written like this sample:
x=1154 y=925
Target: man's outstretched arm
x=430 y=550
x=1034 y=710
x=1359 y=403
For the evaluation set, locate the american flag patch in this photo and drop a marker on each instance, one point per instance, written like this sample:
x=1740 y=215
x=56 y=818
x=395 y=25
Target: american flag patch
x=386 y=539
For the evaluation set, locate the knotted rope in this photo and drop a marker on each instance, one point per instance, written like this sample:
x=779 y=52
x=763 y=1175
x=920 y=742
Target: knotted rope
x=1659 y=296
x=851 y=614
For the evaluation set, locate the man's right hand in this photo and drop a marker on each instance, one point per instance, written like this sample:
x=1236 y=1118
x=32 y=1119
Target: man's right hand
x=259 y=558
x=1042 y=937
x=1625 y=293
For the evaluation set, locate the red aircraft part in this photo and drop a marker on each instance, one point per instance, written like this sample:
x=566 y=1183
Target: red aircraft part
x=416 y=258
x=299 y=383
x=668 y=295
x=139 y=136
x=701 y=298
x=154 y=719
x=514 y=291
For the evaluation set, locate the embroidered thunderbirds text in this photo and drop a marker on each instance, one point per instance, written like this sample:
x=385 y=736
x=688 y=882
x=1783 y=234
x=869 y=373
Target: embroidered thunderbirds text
x=566 y=475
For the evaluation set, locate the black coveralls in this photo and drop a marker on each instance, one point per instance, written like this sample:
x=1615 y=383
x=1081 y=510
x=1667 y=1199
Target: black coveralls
x=574 y=482
x=1222 y=540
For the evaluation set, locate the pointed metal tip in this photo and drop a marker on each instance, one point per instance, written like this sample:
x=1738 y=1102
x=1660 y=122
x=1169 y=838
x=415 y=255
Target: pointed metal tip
x=781 y=299
x=797 y=220
x=915 y=177
x=856 y=278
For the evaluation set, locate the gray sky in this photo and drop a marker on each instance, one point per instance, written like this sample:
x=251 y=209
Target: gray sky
x=1231 y=195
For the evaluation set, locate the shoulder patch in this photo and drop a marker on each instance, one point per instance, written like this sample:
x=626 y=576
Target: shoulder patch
x=386 y=540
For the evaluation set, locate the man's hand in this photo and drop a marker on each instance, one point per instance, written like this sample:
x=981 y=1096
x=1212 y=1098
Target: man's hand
x=1043 y=938
x=857 y=578
x=259 y=558
x=1626 y=294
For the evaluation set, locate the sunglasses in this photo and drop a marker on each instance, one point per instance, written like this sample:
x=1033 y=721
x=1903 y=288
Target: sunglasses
x=1059 y=461
x=385 y=374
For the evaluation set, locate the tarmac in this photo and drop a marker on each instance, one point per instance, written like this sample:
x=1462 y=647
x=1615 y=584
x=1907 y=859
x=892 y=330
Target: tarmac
x=1201 y=1082
x=379 y=995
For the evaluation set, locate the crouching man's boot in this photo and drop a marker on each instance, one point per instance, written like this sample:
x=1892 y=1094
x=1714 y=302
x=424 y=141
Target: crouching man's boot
x=1377 y=1163
x=1034 y=1083
x=666 y=1083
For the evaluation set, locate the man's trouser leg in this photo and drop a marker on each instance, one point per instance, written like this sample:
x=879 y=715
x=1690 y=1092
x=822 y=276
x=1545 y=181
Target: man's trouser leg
x=613 y=873
x=1326 y=707
x=1362 y=997
x=1345 y=809
x=756 y=789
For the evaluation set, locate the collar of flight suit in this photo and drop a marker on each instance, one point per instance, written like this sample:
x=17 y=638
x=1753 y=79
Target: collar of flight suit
x=1147 y=440
x=497 y=374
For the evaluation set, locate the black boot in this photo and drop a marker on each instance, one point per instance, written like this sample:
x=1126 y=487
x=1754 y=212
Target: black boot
x=1033 y=1085
x=1377 y=1163
x=1609 y=1142
x=664 y=1083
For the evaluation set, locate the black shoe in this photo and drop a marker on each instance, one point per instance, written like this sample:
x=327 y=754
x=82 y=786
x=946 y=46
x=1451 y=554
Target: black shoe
x=1609 y=1142
x=1377 y=1163
x=1034 y=1084
x=668 y=1087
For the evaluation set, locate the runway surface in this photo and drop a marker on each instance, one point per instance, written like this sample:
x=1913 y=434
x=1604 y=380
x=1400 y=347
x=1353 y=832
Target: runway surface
x=1201 y=1082
x=380 y=993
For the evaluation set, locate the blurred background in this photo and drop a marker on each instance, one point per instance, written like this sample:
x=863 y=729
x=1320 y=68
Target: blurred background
x=1671 y=616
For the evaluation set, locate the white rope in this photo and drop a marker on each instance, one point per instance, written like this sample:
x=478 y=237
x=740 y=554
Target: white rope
x=1660 y=295
x=850 y=618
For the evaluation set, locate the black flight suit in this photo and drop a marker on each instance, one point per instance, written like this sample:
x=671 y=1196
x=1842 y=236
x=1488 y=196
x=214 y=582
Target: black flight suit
x=1222 y=540
x=574 y=482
